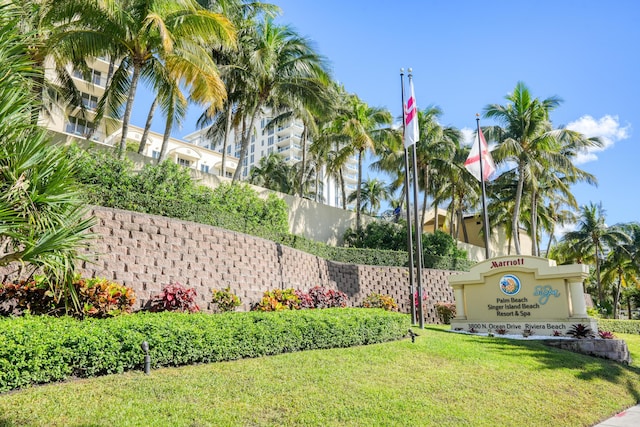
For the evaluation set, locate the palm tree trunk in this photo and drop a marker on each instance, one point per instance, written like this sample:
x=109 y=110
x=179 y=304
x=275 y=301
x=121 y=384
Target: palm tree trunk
x=600 y=294
x=167 y=133
x=616 y=298
x=515 y=222
x=135 y=76
x=246 y=136
x=464 y=228
x=424 y=206
x=225 y=140
x=358 y=188
x=304 y=160
x=551 y=238
x=534 y=224
x=343 y=190
x=147 y=126
x=317 y=183
x=436 y=216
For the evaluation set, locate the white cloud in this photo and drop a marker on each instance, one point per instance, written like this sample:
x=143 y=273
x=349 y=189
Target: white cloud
x=468 y=135
x=607 y=128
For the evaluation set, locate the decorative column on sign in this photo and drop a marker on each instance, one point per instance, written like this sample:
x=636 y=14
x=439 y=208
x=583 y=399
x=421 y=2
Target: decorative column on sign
x=578 y=306
x=459 y=296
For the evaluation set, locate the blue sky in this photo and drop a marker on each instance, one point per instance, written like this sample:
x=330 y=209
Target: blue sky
x=468 y=54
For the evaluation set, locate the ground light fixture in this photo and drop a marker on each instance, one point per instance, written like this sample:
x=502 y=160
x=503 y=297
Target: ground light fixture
x=147 y=359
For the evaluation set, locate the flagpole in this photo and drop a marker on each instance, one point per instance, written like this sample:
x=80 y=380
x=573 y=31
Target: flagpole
x=408 y=200
x=418 y=226
x=485 y=217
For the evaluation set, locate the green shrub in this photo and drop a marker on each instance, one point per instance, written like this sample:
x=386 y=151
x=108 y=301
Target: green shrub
x=619 y=326
x=224 y=300
x=43 y=349
x=376 y=300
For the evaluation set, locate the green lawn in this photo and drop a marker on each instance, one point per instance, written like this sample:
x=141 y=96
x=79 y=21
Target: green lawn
x=442 y=379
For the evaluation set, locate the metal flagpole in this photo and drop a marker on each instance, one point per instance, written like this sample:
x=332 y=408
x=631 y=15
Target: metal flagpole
x=418 y=226
x=485 y=217
x=407 y=183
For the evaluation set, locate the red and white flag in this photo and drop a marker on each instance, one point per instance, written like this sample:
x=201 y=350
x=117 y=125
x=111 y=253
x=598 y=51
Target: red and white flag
x=473 y=161
x=411 y=134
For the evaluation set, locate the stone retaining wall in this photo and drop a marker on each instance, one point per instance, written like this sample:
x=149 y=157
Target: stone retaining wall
x=146 y=252
x=609 y=349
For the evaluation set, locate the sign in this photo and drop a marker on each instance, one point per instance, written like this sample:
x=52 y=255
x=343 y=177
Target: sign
x=520 y=295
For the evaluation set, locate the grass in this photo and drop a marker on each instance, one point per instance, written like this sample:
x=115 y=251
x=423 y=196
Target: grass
x=442 y=379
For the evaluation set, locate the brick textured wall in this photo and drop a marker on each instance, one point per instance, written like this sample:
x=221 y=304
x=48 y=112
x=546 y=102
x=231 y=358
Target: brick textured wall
x=146 y=252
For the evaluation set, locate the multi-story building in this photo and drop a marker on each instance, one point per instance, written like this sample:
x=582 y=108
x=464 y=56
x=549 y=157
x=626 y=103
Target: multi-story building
x=284 y=140
x=73 y=123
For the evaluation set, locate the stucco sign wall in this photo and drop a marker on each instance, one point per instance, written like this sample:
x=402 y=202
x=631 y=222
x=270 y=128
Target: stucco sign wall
x=518 y=293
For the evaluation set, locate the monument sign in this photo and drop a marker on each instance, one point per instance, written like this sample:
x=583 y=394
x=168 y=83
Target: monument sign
x=521 y=295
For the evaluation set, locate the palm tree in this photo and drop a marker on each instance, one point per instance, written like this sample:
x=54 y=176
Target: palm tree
x=593 y=238
x=365 y=128
x=281 y=66
x=528 y=140
x=372 y=192
x=234 y=66
x=273 y=173
x=146 y=36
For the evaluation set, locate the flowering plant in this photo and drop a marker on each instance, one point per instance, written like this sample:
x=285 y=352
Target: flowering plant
x=446 y=310
x=376 y=300
x=415 y=298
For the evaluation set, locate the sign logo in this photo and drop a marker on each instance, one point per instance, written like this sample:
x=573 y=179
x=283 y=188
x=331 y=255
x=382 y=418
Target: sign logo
x=509 y=284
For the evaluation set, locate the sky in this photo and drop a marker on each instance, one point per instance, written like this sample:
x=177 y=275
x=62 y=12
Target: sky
x=468 y=54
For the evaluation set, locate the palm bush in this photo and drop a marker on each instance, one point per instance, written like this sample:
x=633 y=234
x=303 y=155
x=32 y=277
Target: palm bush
x=43 y=221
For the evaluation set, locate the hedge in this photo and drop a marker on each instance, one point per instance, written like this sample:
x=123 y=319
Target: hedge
x=41 y=349
x=620 y=326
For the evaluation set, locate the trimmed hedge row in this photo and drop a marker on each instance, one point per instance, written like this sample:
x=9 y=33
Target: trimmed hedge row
x=41 y=349
x=620 y=326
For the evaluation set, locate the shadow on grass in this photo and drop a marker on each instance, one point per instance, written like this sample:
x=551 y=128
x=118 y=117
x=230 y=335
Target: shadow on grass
x=5 y=422
x=588 y=367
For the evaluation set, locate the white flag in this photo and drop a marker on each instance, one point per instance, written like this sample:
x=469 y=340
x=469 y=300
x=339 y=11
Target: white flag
x=411 y=135
x=473 y=161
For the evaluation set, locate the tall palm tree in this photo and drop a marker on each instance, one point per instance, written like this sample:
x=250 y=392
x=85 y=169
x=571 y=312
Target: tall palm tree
x=281 y=66
x=234 y=66
x=619 y=270
x=528 y=140
x=146 y=36
x=365 y=128
x=593 y=238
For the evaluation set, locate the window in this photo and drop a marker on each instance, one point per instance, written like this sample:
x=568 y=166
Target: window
x=155 y=154
x=252 y=159
x=95 y=77
x=271 y=131
x=270 y=140
x=78 y=126
x=269 y=150
x=204 y=168
x=253 y=148
x=183 y=162
x=229 y=149
x=89 y=101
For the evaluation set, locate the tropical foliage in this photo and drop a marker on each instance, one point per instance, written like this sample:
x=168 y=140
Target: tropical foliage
x=43 y=222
